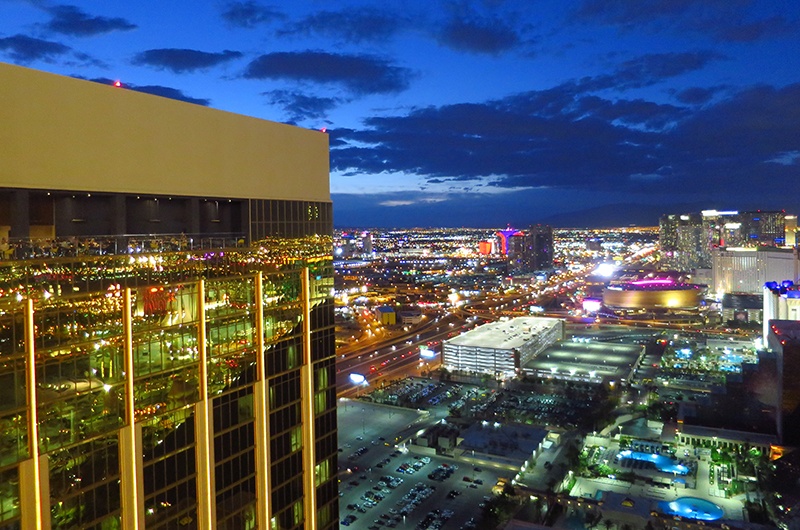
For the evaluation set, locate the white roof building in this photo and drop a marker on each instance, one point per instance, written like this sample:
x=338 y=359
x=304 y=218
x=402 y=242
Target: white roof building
x=500 y=348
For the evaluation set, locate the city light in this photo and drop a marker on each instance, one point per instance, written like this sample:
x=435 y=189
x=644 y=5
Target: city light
x=357 y=378
x=605 y=269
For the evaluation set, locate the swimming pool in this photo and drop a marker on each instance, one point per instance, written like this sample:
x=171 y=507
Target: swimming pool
x=663 y=463
x=692 y=508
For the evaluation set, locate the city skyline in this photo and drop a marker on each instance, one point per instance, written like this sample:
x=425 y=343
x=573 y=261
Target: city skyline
x=584 y=113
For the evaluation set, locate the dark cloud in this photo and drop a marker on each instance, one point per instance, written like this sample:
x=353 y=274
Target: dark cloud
x=469 y=142
x=156 y=90
x=640 y=72
x=181 y=61
x=70 y=20
x=643 y=71
x=475 y=34
x=250 y=14
x=723 y=20
x=695 y=95
x=24 y=49
x=563 y=139
x=638 y=112
x=352 y=25
x=756 y=30
x=749 y=128
x=300 y=107
x=359 y=74
x=628 y=14
x=650 y=69
x=171 y=93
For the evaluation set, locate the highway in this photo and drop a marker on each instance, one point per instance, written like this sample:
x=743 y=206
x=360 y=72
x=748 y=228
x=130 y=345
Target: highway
x=381 y=359
x=396 y=356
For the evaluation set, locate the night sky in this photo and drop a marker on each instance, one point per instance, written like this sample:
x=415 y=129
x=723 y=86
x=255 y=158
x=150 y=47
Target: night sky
x=474 y=113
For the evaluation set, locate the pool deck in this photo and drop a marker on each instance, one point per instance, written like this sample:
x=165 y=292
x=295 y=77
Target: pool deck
x=585 y=487
x=698 y=487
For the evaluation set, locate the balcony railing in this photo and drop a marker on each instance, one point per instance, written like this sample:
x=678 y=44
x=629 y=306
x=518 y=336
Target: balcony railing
x=66 y=247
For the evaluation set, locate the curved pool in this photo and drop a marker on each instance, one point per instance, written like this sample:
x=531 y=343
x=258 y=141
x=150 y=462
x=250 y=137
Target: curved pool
x=692 y=508
x=663 y=463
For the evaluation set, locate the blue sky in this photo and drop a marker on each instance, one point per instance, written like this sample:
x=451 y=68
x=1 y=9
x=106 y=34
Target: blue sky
x=474 y=113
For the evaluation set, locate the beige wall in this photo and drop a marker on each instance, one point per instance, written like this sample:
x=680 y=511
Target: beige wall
x=62 y=133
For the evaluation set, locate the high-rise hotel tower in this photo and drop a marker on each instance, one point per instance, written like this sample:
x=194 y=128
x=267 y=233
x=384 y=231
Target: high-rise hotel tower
x=166 y=315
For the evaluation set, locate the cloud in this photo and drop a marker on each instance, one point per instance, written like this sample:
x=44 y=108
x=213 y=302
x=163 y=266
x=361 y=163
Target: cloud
x=469 y=142
x=723 y=20
x=156 y=90
x=475 y=34
x=171 y=93
x=24 y=49
x=181 y=60
x=568 y=140
x=364 y=24
x=786 y=159
x=650 y=69
x=300 y=106
x=756 y=30
x=643 y=71
x=250 y=14
x=627 y=14
x=395 y=203
x=637 y=112
x=359 y=74
x=696 y=95
x=70 y=20
x=753 y=126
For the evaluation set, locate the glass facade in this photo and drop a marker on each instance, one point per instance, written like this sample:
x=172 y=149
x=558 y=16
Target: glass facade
x=176 y=378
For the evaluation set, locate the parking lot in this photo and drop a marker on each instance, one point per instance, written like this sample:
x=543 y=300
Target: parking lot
x=383 y=486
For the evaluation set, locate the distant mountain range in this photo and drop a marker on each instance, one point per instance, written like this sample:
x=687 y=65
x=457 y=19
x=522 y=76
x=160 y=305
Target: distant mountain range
x=354 y=211
x=618 y=215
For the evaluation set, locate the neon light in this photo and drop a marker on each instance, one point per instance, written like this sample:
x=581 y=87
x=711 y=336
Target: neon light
x=662 y=281
x=504 y=237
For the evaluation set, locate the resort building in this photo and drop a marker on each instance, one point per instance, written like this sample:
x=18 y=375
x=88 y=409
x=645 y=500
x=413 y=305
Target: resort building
x=166 y=314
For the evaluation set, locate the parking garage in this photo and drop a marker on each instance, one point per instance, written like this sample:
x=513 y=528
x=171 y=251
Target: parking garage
x=587 y=361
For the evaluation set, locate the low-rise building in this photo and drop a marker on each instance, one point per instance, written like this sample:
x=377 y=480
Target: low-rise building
x=386 y=315
x=501 y=348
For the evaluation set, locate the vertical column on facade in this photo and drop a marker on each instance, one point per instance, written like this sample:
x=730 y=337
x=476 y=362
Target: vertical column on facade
x=204 y=426
x=130 y=436
x=33 y=474
x=307 y=389
x=263 y=498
